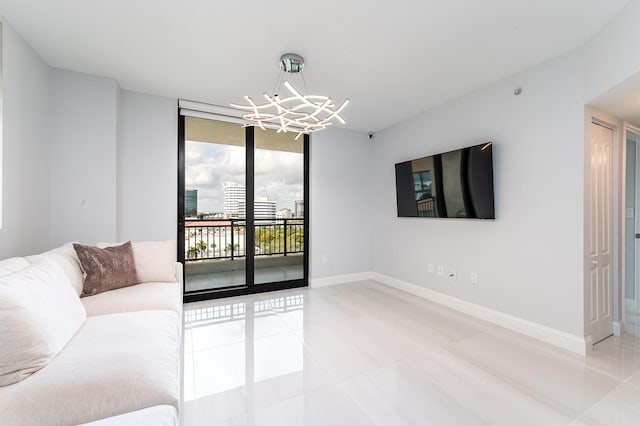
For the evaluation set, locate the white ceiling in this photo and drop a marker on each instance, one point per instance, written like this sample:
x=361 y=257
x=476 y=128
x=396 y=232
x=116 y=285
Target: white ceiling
x=392 y=59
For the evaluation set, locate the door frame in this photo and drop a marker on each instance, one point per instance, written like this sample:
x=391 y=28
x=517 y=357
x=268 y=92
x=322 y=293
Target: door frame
x=633 y=129
x=250 y=287
x=593 y=115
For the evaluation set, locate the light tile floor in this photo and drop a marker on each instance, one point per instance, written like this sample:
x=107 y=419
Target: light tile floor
x=366 y=354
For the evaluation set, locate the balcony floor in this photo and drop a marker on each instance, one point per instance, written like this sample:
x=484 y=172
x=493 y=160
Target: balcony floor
x=219 y=279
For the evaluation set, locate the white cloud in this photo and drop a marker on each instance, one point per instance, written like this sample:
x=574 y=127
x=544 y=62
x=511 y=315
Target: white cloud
x=278 y=174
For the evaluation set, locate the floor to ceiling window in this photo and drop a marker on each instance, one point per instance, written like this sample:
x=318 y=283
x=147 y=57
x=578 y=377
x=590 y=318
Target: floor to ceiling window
x=242 y=221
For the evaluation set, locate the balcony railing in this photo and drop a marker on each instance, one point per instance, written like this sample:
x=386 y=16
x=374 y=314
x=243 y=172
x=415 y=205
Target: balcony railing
x=225 y=238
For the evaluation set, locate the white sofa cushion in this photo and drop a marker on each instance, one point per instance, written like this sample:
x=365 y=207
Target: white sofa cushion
x=154 y=260
x=160 y=415
x=115 y=364
x=11 y=265
x=39 y=313
x=139 y=297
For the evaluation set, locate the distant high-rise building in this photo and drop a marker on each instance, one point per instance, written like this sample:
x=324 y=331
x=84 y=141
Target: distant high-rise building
x=234 y=194
x=298 y=208
x=263 y=208
x=284 y=214
x=235 y=205
x=191 y=203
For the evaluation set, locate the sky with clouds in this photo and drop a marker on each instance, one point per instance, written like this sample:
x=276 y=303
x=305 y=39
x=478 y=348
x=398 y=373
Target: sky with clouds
x=279 y=175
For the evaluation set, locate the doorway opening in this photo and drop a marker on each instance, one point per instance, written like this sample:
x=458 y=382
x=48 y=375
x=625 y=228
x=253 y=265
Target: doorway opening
x=612 y=227
x=631 y=283
x=600 y=261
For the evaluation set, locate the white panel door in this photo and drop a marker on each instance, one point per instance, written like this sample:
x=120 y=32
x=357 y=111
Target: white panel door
x=600 y=238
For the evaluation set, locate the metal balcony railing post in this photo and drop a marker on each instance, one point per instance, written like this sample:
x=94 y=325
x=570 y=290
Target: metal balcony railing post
x=232 y=222
x=285 y=237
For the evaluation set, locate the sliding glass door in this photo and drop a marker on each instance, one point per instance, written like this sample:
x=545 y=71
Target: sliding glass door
x=215 y=180
x=242 y=225
x=279 y=207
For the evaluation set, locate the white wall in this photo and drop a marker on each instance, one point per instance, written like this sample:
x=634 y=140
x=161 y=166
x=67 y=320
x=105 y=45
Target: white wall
x=83 y=136
x=147 y=168
x=341 y=197
x=25 y=149
x=611 y=56
x=529 y=259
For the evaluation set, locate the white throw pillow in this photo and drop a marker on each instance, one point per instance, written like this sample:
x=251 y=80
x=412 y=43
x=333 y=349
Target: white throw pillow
x=66 y=257
x=39 y=313
x=155 y=260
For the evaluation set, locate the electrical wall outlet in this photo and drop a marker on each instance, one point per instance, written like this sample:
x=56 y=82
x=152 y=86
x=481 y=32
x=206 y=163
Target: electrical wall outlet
x=452 y=274
x=474 y=278
x=441 y=271
x=430 y=268
x=325 y=258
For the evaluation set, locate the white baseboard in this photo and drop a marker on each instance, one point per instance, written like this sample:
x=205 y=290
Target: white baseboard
x=338 y=279
x=546 y=334
x=618 y=328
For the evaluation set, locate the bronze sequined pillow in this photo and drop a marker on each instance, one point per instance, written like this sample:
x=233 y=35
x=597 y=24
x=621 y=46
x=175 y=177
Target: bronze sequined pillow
x=106 y=268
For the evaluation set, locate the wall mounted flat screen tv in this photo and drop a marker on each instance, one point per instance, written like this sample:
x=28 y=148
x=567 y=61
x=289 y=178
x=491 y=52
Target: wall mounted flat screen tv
x=454 y=184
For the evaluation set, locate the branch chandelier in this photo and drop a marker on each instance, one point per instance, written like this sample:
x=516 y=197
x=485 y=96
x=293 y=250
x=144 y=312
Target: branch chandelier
x=297 y=112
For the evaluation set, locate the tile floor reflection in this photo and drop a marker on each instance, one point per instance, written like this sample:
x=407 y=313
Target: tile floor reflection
x=366 y=354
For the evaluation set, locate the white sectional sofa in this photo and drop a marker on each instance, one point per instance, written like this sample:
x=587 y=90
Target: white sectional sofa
x=122 y=364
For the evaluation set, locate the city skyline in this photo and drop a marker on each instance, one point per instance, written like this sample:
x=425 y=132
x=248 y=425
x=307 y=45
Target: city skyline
x=278 y=174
